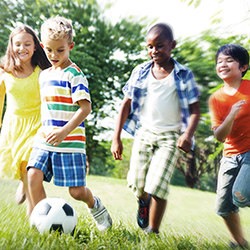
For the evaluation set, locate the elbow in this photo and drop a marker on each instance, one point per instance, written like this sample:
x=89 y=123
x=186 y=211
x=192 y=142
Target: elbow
x=89 y=108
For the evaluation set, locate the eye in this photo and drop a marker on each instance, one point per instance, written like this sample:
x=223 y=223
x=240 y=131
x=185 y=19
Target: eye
x=60 y=50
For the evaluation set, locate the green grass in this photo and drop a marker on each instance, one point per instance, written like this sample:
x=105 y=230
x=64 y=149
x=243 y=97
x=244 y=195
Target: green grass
x=189 y=222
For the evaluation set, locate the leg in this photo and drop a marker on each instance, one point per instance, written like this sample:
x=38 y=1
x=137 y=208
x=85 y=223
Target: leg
x=25 y=187
x=156 y=212
x=83 y=194
x=233 y=224
x=20 y=193
x=241 y=192
x=95 y=206
x=35 y=184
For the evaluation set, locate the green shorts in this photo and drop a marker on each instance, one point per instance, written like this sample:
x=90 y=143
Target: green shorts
x=152 y=163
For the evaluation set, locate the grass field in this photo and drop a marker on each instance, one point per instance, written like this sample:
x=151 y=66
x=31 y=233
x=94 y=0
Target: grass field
x=189 y=222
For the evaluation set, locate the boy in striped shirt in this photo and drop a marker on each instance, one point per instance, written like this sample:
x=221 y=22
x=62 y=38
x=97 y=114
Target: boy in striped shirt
x=59 y=147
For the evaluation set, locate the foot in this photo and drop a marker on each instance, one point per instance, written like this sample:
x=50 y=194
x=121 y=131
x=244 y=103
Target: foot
x=151 y=231
x=20 y=194
x=143 y=214
x=101 y=216
x=234 y=245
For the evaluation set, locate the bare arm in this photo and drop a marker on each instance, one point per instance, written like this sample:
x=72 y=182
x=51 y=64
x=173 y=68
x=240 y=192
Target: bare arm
x=2 y=94
x=58 y=135
x=117 y=147
x=185 y=140
x=225 y=128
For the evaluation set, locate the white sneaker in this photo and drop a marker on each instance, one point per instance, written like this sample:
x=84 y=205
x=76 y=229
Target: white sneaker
x=100 y=214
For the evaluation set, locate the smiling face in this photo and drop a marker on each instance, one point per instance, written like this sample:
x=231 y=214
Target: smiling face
x=23 y=46
x=58 y=51
x=159 y=48
x=228 y=69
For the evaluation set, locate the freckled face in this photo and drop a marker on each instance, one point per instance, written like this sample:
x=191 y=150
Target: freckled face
x=159 y=48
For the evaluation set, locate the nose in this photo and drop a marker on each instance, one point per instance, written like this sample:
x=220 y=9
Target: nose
x=154 y=50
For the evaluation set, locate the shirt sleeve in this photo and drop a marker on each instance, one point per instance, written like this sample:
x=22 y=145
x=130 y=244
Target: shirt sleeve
x=216 y=120
x=79 y=88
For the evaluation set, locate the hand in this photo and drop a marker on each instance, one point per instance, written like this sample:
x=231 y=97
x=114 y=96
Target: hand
x=55 y=137
x=236 y=108
x=116 y=149
x=184 y=142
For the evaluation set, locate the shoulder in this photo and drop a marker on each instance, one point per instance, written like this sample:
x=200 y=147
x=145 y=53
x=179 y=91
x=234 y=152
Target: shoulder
x=74 y=70
x=216 y=96
x=2 y=75
x=2 y=80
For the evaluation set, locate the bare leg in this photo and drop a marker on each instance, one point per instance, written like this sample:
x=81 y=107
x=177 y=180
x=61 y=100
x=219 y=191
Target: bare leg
x=35 y=184
x=24 y=186
x=20 y=193
x=82 y=194
x=234 y=226
x=156 y=212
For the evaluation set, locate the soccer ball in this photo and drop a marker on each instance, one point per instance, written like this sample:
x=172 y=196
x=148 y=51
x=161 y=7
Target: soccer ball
x=53 y=214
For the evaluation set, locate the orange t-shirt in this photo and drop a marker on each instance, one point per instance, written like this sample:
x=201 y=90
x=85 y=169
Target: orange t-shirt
x=220 y=105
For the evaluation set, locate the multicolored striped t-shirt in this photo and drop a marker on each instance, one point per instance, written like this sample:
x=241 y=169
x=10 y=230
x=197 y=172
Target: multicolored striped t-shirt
x=61 y=89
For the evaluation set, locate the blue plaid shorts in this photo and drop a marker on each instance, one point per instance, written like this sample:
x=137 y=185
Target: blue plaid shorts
x=68 y=169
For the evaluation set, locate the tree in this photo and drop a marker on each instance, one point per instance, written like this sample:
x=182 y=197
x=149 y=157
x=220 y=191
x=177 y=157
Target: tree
x=97 y=41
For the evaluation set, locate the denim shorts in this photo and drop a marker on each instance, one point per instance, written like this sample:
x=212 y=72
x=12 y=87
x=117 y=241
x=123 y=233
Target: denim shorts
x=68 y=169
x=234 y=176
x=152 y=163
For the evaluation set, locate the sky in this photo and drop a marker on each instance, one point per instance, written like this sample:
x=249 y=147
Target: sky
x=185 y=20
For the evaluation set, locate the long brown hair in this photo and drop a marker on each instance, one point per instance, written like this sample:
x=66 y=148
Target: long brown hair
x=10 y=62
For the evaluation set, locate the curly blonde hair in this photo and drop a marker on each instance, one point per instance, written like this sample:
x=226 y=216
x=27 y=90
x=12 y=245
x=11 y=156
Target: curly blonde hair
x=57 y=28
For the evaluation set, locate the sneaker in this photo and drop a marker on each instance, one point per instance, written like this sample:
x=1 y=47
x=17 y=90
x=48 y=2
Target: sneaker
x=101 y=216
x=151 y=231
x=142 y=214
x=234 y=245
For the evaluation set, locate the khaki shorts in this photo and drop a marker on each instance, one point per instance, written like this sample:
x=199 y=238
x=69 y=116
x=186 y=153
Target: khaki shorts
x=152 y=163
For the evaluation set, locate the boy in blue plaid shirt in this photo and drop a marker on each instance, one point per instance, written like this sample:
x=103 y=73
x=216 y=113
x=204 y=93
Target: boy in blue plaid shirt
x=161 y=99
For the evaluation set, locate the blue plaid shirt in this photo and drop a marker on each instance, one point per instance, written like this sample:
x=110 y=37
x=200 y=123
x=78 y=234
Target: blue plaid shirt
x=136 y=90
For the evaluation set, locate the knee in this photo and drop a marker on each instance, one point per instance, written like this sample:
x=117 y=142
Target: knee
x=239 y=199
x=35 y=176
x=77 y=193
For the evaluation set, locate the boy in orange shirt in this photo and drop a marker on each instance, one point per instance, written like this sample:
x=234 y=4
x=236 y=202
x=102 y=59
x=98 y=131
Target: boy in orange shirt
x=230 y=115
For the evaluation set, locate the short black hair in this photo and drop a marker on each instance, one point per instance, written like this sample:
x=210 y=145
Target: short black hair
x=162 y=28
x=237 y=52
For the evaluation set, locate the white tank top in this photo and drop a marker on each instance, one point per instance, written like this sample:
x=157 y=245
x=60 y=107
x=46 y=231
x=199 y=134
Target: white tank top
x=161 y=111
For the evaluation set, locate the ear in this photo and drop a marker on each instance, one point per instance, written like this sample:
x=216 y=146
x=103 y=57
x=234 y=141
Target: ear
x=71 y=46
x=244 y=68
x=173 y=44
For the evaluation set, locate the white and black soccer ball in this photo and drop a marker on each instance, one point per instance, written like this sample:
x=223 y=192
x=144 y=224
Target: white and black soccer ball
x=53 y=214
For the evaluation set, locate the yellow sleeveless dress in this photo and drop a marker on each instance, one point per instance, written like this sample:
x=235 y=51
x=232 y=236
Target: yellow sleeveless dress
x=20 y=124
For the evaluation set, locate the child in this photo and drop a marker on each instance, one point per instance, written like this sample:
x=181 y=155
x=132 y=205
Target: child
x=159 y=96
x=59 y=147
x=19 y=71
x=230 y=115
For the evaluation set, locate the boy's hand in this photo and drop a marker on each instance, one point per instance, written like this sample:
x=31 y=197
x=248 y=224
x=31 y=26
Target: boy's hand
x=116 y=149
x=236 y=108
x=184 y=142
x=55 y=137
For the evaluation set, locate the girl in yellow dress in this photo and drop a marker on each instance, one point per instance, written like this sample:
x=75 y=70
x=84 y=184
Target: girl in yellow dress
x=19 y=73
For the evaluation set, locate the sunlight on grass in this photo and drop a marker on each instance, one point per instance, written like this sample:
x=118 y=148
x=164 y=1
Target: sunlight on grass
x=189 y=222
